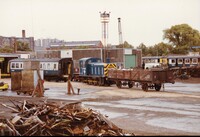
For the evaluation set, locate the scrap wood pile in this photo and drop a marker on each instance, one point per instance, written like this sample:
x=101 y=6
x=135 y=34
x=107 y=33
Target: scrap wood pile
x=51 y=119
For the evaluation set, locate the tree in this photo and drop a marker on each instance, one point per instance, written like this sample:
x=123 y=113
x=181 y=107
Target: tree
x=144 y=49
x=125 y=45
x=182 y=37
x=162 y=49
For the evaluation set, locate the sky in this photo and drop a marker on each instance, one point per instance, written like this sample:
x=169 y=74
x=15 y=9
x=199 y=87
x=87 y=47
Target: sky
x=142 y=21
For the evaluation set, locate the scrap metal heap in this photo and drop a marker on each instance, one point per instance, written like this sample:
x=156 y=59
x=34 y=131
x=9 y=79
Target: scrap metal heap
x=51 y=119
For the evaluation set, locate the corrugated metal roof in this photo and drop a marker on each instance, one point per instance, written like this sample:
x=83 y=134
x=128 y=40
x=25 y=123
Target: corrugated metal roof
x=41 y=60
x=76 y=43
x=8 y=55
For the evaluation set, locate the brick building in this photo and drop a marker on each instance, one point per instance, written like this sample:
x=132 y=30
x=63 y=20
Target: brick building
x=9 y=41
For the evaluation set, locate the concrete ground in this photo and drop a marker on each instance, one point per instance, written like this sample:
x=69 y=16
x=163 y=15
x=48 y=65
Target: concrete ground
x=175 y=110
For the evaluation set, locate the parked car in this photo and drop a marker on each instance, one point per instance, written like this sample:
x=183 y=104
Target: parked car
x=4 y=86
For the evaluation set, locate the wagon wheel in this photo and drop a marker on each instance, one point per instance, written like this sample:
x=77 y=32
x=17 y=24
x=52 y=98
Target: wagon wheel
x=65 y=80
x=157 y=87
x=130 y=84
x=145 y=87
x=18 y=93
x=30 y=93
x=119 y=84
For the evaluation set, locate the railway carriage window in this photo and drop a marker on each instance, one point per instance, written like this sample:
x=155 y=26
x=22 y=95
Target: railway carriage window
x=194 y=60
x=54 y=66
x=17 y=65
x=81 y=64
x=180 y=61
x=89 y=61
x=187 y=61
x=173 y=61
x=21 y=65
x=13 y=65
x=44 y=65
x=48 y=66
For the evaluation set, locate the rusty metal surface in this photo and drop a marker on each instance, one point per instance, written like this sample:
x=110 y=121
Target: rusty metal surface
x=157 y=75
x=52 y=119
x=16 y=78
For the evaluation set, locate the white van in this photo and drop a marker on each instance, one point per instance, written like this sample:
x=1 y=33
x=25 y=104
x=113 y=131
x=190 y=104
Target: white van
x=151 y=65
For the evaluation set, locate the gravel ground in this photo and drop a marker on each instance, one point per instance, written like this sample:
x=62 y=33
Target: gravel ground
x=168 y=112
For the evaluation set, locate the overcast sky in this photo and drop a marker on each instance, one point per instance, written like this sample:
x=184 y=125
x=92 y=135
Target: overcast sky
x=142 y=21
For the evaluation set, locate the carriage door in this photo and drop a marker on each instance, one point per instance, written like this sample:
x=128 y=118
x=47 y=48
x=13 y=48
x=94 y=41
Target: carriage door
x=64 y=67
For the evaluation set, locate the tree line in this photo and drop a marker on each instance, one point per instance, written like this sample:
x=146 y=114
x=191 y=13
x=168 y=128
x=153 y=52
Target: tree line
x=180 y=39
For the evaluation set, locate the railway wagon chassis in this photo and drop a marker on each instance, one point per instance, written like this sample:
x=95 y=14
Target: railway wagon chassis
x=148 y=79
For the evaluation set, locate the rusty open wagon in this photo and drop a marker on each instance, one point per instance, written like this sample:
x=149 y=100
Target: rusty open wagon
x=148 y=78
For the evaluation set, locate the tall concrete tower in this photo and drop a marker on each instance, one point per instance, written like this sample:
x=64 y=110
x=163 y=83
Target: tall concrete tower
x=104 y=21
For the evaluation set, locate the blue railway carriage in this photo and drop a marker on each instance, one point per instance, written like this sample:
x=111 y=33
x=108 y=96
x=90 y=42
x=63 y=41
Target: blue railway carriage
x=174 y=61
x=54 y=69
x=183 y=61
x=17 y=65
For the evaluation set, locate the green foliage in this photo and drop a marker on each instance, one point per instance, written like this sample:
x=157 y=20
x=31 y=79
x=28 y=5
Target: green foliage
x=182 y=37
x=180 y=50
x=6 y=49
x=144 y=48
x=125 y=45
x=162 y=49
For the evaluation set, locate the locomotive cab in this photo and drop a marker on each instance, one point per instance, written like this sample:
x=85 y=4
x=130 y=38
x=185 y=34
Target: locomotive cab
x=84 y=65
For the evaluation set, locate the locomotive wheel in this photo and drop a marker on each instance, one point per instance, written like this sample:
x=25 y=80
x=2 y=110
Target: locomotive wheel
x=99 y=82
x=130 y=84
x=157 y=87
x=119 y=84
x=145 y=87
x=30 y=93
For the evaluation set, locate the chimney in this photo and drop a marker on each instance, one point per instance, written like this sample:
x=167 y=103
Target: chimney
x=15 y=45
x=23 y=34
